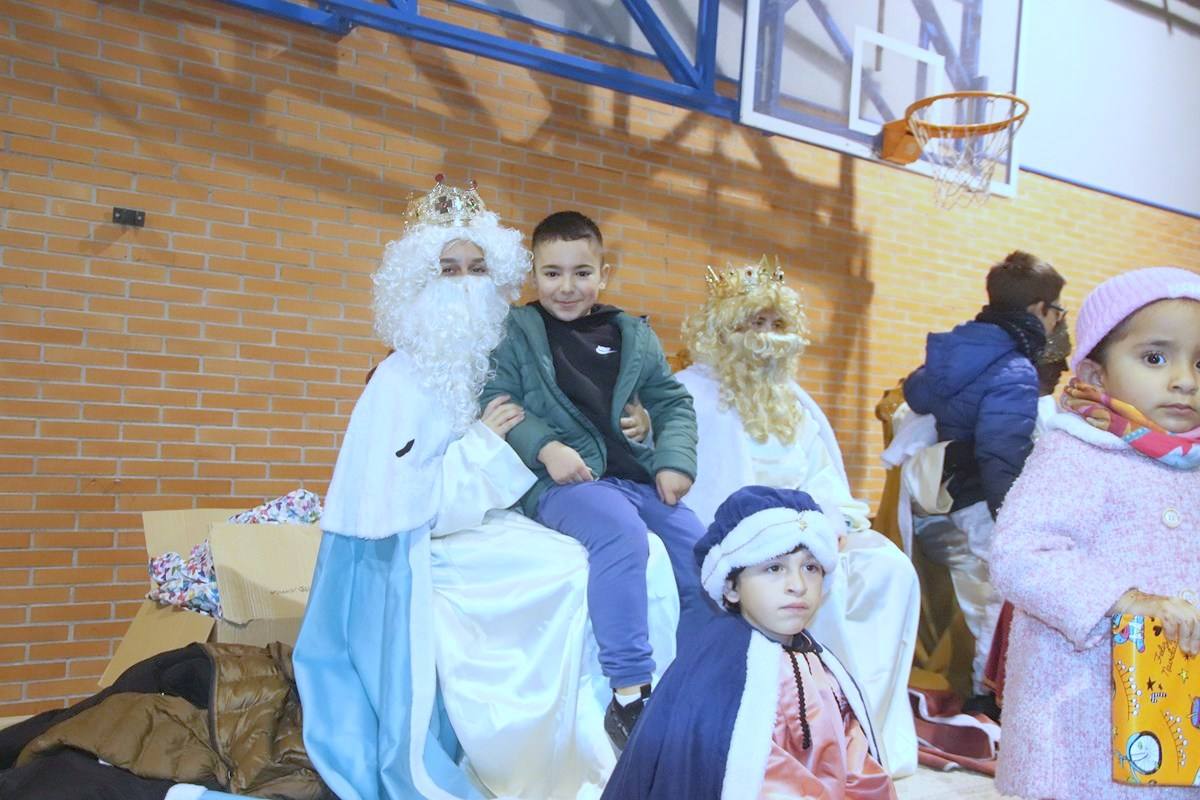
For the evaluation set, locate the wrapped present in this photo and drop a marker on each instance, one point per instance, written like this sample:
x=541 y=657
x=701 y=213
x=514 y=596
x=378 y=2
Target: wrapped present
x=187 y=583
x=1155 y=706
x=299 y=507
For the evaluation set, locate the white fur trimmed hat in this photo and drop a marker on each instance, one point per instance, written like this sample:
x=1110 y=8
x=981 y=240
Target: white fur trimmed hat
x=757 y=523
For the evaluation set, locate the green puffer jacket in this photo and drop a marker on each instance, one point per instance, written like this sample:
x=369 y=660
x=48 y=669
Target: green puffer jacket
x=524 y=370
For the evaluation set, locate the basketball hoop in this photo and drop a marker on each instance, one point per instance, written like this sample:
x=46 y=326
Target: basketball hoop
x=963 y=135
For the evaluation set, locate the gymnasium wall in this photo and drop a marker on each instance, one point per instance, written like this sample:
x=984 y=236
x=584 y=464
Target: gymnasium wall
x=213 y=356
x=1116 y=106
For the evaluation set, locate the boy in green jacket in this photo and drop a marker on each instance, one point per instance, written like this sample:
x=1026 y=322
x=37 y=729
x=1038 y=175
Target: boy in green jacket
x=573 y=365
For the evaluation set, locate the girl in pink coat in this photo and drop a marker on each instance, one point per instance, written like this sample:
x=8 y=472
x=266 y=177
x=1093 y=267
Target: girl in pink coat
x=1104 y=519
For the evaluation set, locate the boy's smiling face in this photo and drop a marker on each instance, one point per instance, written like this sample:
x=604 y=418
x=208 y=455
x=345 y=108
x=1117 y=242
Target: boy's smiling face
x=780 y=595
x=569 y=276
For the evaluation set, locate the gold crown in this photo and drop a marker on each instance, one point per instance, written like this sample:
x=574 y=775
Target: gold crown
x=444 y=205
x=735 y=281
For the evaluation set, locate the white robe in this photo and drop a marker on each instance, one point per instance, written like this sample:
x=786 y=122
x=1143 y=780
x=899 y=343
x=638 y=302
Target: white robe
x=869 y=616
x=517 y=662
x=430 y=605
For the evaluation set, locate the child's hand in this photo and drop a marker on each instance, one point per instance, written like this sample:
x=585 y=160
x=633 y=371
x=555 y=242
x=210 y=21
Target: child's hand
x=502 y=416
x=1180 y=619
x=671 y=485
x=564 y=464
x=636 y=422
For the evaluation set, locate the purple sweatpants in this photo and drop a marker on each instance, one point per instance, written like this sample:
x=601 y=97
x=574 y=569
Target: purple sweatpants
x=610 y=517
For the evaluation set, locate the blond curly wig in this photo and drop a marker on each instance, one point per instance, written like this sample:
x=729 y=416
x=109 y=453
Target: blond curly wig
x=755 y=370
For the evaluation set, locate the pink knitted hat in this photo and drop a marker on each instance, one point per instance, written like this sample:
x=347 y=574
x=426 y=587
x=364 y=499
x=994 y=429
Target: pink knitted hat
x=1111 y=302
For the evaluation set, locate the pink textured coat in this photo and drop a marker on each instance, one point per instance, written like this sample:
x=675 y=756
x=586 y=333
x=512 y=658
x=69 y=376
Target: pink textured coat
x=1088 y=519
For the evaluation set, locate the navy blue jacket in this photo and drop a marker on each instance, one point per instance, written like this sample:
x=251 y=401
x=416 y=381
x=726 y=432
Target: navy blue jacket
x=686 y=739
x=984 y=393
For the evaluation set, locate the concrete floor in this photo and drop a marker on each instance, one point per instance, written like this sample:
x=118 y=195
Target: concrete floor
x=930 y=785
x=925 y=785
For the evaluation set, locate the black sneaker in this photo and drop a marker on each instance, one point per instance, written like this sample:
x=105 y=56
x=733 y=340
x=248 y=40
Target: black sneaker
x=619 y=720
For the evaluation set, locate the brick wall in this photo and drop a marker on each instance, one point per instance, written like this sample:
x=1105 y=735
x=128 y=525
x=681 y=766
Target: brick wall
x=213 y=356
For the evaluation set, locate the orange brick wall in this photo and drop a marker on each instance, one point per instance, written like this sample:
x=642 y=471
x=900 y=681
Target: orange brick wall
x=213 y=356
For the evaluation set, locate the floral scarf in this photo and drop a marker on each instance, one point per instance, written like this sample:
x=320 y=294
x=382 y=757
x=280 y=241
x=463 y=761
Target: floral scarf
x=1175 y=450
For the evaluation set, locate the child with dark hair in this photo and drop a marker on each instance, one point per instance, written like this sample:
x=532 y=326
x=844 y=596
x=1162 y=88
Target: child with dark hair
x=980 y=383
x=574 y=365
x=1104 y=520
x=757 y=708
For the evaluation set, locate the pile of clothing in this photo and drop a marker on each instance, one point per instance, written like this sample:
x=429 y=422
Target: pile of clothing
x=218 y=716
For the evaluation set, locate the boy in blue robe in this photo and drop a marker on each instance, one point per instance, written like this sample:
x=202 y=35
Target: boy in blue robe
x=756 y=708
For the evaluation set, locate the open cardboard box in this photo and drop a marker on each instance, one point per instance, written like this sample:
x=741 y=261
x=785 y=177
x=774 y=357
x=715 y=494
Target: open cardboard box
x=263 y=570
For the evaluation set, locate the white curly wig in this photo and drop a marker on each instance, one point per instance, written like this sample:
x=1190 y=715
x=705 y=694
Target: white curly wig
x=411 y=261
x=449 y=326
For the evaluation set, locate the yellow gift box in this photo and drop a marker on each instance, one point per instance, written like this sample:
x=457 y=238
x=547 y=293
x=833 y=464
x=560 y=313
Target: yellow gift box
x=1155 y=706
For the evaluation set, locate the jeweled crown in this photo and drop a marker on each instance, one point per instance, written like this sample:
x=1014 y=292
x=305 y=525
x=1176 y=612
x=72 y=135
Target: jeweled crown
x=734 y=281
x=445 y=205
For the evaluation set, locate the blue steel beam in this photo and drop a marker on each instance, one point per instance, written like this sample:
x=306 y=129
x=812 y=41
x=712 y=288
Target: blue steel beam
x=292 y=12
x=406 y=21
x=664 y=44
x=540 y=24
x=960 y=76
x=706 y=43
x=869 y=88
x=969 y=39
x=772 y=31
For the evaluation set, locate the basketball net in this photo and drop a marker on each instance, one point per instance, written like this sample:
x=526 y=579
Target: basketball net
x=964 y=137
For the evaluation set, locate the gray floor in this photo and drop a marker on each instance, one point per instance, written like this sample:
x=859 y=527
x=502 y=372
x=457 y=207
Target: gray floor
x=925 y=785
x=930 y=785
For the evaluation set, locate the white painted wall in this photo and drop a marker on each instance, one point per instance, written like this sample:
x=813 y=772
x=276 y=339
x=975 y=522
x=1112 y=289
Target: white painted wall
x=1115 y=96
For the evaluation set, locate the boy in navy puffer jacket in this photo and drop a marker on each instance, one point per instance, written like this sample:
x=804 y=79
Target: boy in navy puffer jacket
x=980 y=383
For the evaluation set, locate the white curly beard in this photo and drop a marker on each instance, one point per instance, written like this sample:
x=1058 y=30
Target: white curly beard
x=449 y=329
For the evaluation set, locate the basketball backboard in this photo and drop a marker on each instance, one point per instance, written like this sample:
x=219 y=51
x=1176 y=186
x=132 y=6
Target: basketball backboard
x=832 y=72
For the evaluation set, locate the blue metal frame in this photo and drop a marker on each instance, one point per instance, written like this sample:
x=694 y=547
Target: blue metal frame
x=504 y=13
x=869 y=87
x=962 y=64
x=692 y=85
x=706 y=43
x=963 y=70
x=294 y=12
x=663 y=42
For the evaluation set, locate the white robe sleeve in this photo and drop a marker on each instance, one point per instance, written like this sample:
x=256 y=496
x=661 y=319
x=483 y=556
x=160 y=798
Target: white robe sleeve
x=822 y=477
x=725 y=460
x=722 y=463
x=480 y=472
x=400 y=467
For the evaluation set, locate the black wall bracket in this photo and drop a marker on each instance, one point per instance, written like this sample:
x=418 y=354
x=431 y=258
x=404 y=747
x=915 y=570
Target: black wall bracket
x=129 y=216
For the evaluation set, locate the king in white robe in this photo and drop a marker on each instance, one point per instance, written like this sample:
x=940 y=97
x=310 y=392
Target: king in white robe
x=364 y=661
x=446 y=651
x=757 y=426
x=869 y=617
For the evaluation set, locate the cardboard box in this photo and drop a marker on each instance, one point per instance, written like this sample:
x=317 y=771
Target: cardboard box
x=264 y=573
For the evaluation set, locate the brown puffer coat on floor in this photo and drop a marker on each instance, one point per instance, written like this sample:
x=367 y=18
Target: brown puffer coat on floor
x=248 y=741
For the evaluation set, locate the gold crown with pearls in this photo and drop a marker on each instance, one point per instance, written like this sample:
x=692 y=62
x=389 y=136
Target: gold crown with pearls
x=735 y=281
x=445 y=205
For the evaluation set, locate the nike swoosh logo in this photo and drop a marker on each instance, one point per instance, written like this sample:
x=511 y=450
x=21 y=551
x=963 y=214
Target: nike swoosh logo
x=604 y=351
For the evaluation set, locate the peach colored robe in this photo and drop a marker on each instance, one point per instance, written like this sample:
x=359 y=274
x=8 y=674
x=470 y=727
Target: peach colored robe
x=838 y=764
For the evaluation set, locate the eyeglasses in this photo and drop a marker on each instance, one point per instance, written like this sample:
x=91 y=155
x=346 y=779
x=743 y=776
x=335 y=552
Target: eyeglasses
x=1062 y=312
